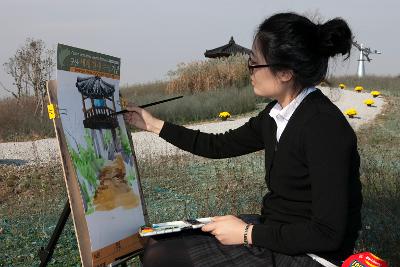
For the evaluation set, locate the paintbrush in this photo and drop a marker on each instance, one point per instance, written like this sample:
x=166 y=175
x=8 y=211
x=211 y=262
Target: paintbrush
x=147 y=105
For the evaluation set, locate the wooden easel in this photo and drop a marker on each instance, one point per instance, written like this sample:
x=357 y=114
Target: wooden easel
x=115 y=254
x=45 y=254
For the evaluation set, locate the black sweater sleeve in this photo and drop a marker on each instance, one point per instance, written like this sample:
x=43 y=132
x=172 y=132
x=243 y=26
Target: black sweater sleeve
x=328 y=142
x=243 y=140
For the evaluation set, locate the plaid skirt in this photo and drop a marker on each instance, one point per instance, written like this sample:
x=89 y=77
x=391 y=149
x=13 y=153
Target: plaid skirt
x=197 y=248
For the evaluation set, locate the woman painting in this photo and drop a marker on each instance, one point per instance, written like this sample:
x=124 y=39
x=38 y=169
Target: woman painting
x=311 y=213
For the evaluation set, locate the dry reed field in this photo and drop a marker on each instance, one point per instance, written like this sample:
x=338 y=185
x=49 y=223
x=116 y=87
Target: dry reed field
x=211 y=74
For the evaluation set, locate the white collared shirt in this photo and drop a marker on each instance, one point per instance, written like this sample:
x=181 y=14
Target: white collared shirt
x=282 y=116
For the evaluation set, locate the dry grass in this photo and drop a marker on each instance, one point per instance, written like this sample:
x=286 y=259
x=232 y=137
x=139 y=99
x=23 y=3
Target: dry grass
x=210 y=74
x=18 y=121
x=197 y=107
x=370 y=82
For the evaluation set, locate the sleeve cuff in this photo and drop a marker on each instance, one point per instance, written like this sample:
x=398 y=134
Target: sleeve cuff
x=160 y=134
x=166 y=130
x=261 y=234
x=255 y=233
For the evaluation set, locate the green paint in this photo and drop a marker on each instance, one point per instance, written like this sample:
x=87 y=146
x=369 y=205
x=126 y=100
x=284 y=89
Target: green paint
x=130 y=176
x=88 y=165
x=107 y=136
x=126 y=146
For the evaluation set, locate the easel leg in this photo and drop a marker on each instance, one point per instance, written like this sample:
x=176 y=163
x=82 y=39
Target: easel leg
x=45 y=254
x=141 y=259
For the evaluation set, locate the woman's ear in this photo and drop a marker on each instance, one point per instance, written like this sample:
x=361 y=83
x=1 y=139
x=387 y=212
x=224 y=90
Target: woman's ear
x=285 y=75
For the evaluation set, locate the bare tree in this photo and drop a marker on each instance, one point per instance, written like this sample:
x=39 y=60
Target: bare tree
x=31 y=66
x=8 y=90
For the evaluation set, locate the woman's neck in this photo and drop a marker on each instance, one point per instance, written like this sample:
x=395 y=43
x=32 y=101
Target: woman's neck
x=287 y=97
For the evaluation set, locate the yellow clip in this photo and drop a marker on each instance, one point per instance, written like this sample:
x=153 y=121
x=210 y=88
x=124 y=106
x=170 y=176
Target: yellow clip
x=124 y=103
x=53 y=111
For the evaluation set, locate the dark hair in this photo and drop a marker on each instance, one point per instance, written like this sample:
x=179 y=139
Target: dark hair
x=294 y=42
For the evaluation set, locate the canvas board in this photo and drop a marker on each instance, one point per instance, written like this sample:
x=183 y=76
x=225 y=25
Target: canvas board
x=99 y=161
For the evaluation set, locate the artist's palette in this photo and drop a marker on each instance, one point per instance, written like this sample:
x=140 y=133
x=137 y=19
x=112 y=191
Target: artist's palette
x=174 y=226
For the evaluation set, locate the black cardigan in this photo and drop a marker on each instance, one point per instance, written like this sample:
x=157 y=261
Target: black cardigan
x=312 y=174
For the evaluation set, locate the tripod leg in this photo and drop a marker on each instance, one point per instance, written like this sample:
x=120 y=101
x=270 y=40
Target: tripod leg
x=45 y=254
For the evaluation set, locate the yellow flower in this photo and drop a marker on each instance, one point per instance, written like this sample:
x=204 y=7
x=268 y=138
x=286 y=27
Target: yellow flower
x=359 y=88
x=375 y=93
x=342 y=86
x=369 y=102
x=224 y=115
x=351 y=112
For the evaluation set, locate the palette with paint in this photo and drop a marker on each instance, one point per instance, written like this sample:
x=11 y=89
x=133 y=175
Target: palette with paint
x=174 y=226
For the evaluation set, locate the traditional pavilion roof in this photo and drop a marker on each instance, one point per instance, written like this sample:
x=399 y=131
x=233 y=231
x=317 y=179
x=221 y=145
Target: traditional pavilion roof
x=94 y=87
x=227 y=50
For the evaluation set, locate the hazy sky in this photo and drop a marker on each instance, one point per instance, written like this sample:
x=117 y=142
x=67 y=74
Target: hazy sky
x=152 y=37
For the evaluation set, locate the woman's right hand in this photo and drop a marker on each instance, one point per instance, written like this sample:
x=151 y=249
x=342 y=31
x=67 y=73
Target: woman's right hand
x=142 y=119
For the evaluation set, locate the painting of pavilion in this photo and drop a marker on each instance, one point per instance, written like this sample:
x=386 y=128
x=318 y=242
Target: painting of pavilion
x=98 y=106
x=98 y=156
x=113 y=179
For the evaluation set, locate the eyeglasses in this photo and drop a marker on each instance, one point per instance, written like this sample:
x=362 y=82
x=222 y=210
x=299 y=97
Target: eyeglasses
x=252 y=67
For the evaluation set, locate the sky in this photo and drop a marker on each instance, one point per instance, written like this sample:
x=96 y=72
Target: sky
x=152 y=37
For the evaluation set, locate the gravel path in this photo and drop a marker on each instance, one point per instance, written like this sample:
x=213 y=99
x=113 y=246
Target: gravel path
x=146 y=143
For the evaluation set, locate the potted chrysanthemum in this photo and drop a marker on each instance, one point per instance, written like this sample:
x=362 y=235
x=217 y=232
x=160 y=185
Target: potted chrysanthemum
x=369 y=102
x=375 y=93
x=224 y=115
x=358 y=88
x=351 y=112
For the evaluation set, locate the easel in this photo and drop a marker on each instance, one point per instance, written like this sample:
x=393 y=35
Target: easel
x=45 y=254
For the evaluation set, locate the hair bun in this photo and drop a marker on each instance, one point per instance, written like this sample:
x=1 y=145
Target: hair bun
x=334 y=37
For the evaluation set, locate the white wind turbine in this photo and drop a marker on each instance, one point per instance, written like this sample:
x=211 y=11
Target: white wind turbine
x=364 y=55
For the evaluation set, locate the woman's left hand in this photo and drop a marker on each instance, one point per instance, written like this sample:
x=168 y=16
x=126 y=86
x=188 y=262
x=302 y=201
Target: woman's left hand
x=227 y=229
